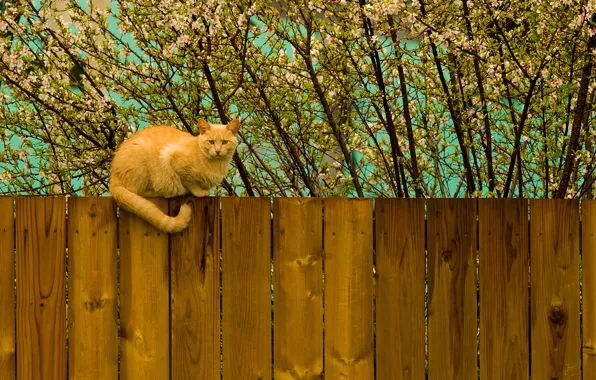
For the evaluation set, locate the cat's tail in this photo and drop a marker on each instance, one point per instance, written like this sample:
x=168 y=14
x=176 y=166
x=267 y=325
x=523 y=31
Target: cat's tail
x=150 y=212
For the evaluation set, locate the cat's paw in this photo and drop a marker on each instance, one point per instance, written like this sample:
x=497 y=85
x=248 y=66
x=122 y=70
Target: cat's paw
x=200 y=193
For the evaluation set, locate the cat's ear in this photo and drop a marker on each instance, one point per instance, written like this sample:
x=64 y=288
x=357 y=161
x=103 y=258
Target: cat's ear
x=233 y=126
x=203 y=126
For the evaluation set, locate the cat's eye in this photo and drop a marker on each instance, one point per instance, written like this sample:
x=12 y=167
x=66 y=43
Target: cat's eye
x=211 y=141
x=224 y=142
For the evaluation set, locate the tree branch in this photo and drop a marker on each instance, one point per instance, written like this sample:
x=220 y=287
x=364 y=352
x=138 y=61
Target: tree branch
x=578 y=117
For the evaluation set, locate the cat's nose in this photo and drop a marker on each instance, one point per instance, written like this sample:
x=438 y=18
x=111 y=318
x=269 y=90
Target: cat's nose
x=217 y=152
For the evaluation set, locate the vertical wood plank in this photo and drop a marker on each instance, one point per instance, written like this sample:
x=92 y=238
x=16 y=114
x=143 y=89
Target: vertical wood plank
x=144 y=298
x=554 y=243
x=348 y=244
x=452 y=310
x=195 y=293
x=589 y=288
x=7 y=292
x=41 y=291
x=298 y=317
x=400 y=289
x=93 y=288
x=503 y=278
x=246 y=298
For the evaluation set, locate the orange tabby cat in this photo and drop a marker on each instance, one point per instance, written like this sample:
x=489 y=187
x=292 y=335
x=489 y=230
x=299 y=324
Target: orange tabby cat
x=163 y=161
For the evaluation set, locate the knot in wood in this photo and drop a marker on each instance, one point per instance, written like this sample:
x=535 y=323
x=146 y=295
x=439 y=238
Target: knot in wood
x=92 y=211
x=447 y=255
x=140 y=346
x=557 y=314
x=95 y=304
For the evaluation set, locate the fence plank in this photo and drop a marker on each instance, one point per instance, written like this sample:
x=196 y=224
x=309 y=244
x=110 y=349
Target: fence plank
x=554 y=243
x=246 y=299
x=503 y=279
x=195 y=293
x=452 y=310
x=93 y=288
x=7 y=296
x=297 y=251
x=144 y=298
x=400 y=289
x=348 y=244
x=589 y=288
x=41 y=291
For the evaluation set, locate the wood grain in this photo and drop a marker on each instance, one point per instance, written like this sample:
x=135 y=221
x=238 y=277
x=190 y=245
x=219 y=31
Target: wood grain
x=589 y=288
x=7 y=292
x=348 y=243
x=195 y=293
x=555 y=323
x=298 y=269
x=503 y=279
x=246 y=298
x=144 y=298
x=41 y=291
x=93 y=288
x=400 y=289
x=452 y=310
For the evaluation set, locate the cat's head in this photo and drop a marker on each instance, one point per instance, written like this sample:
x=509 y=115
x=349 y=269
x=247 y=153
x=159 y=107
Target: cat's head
x=218 y=140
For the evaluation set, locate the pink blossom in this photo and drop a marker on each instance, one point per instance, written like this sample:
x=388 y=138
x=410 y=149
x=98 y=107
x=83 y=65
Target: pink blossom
x=183 y=40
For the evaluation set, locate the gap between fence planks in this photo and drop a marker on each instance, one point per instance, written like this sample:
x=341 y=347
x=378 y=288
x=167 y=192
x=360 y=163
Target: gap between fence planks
x=298 y=284
x=93 y=288
x=348 y=243
x=41 y=291
x=144 y=298
x=246 y=290
x=195 y=293
x=554 y=242
x=503 y=280
x=7 y=292
x=589 y=289
x=452 y=303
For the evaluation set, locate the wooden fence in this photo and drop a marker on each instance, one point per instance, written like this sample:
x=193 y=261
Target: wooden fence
x=100 y=296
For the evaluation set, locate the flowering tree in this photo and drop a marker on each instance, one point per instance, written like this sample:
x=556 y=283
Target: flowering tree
x=336 y=98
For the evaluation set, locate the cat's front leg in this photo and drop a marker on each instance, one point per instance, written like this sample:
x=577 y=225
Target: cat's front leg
x=199 y=192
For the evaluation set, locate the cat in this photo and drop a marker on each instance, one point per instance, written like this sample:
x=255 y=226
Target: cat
x=163 y=161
